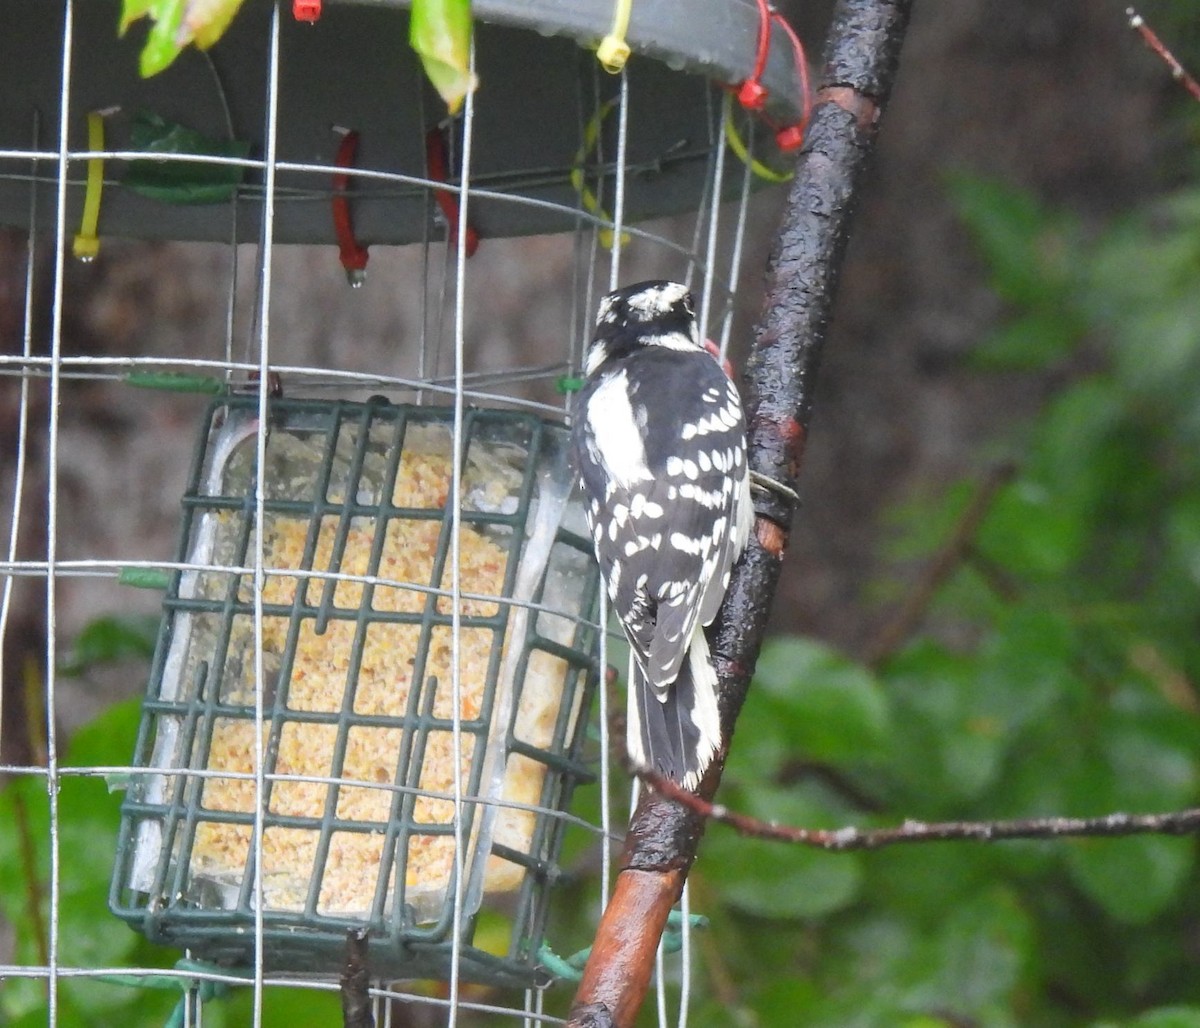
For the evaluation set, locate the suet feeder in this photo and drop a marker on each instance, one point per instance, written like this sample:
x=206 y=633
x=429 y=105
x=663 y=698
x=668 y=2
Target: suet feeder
x=356 y=721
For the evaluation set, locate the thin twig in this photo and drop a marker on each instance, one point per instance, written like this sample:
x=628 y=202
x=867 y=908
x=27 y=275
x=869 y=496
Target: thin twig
x=355 y=982
x=1178 y=72
x=1178 y=822
x=33 y=881
x=956 y=549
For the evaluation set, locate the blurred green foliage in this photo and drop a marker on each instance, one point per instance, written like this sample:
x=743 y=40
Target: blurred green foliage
x=1056 y=673
x=1067 y=685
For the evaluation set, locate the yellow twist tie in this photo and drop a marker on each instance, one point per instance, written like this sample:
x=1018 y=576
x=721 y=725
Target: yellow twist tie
x=86 y=244
x=739 y=148
x=613 y=51
x=591 y=203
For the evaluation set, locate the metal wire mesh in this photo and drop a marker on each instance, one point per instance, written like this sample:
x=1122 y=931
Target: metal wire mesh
x=357 y=674
x=448 y=368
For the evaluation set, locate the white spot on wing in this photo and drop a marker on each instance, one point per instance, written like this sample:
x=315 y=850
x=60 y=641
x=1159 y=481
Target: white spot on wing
x=614 y=432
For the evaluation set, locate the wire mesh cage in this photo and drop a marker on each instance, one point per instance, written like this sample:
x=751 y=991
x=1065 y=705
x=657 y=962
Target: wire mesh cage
x=285 y=745
x=360 y=685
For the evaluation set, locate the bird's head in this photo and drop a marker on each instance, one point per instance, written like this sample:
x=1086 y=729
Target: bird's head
x=654 y=313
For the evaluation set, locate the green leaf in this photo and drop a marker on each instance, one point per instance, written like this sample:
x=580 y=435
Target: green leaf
x=1183 y=534
x=106 y=639
x=107 y=739
x=1168 y=1017
x=207 y=20
x=132 y=10
x=1132 y=879
x=777 y=880
x=973 y=965
x=176 y=24
x=440 y=33
x=1029 y=533
x=162 y=44
x=831 y=708
x=1032 y=341
x=1025 y=668
x=1025 y=246
x=770 y=880
x=182 y=182
x=948 y=745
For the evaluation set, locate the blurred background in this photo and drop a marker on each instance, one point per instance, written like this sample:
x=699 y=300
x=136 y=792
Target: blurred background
x=989 y=606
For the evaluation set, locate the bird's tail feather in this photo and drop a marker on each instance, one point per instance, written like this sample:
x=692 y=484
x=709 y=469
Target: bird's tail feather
x=679 y=735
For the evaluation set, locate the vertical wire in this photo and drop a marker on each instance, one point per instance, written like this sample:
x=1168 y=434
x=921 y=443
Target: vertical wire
x=660 y=988
x=710 y=253
x=685 y=955
x=265 y=249
x=613 y=282
x=710 y=262
x=14 y=532
x=459 y=451
x=614 y=272
x=702 y=205
x=577 y=342
x=423 y=371
x=60 y=249
x=614 y=268
x=614 y=278
x=231 y=296
x=739 y=236
x=602 y=605
x=602 y=617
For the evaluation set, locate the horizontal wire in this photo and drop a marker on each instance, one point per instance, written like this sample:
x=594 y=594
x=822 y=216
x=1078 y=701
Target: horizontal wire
x=313 y=377
x=525 y=178
x=185 y=975
x=104 y=568
x=206 y=774
x=418 y=183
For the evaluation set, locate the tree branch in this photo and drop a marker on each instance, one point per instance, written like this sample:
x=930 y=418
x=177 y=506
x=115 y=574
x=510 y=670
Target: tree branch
x=1178 y=72
x=860 y=61
x=956 y=549
x=1178 y=822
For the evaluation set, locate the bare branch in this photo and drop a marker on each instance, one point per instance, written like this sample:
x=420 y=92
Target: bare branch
x=1179 y=822
x=1178 y=72
x=859 y=67
x=956 y=549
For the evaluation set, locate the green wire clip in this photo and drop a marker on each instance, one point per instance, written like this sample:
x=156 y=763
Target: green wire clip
x=570 y=969
x=569 y=383
x=205 y=990
x=144 y=578
x=175 y=382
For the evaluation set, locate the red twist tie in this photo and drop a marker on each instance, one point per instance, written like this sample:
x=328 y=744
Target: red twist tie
x=791 y=137
x=306 y=10
x=435 y=160
x=752 y=95
x=353 y=256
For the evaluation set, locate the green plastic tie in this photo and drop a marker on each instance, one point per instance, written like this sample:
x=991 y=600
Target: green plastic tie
x=569 y=384
x=205 y=989
x=570 y=969
x=144 y=578
x=175 y=382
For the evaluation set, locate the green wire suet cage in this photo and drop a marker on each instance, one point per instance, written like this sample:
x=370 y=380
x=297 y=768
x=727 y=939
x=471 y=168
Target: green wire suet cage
x=358 y=748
